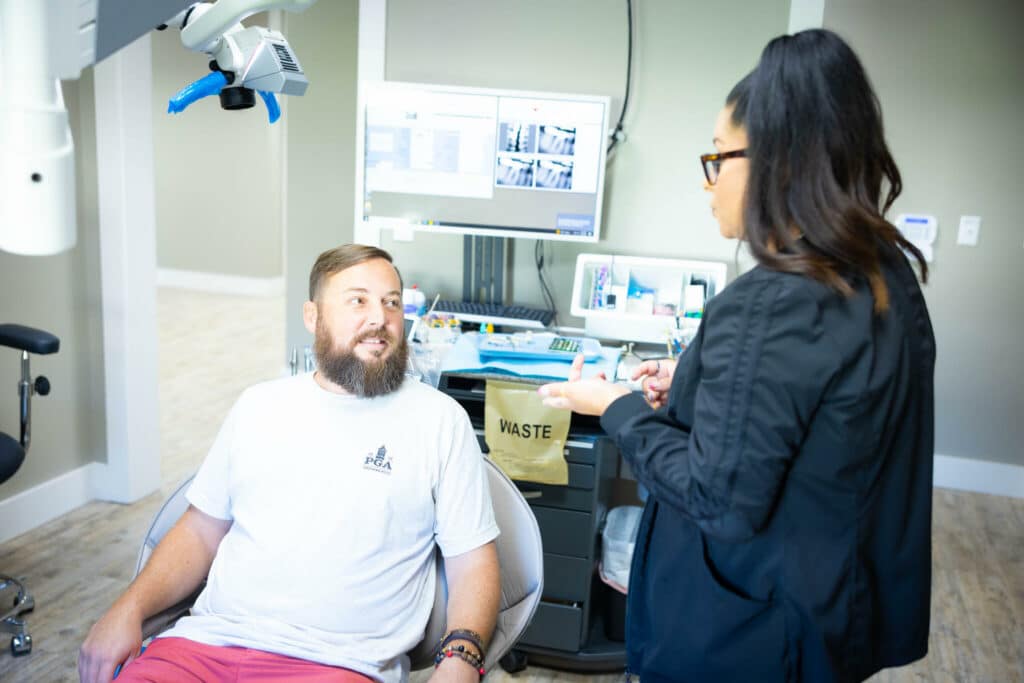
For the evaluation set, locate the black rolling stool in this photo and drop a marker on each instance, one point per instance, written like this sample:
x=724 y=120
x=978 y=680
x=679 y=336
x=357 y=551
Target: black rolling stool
x=12 y=454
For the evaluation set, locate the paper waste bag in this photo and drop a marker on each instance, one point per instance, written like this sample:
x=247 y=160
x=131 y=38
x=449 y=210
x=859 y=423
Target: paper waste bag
x=525 y=437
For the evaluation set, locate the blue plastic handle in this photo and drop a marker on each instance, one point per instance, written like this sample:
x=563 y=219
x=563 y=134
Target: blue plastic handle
x=273 y=110
x=210 y=84
x=117 y=671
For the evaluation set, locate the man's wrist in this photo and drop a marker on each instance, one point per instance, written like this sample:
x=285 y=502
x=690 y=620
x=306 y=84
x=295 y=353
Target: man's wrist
x=463 y=645
x=458 y=665
x=129 y=606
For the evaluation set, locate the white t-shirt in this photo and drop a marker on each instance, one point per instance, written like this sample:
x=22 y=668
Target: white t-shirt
x=337 y=503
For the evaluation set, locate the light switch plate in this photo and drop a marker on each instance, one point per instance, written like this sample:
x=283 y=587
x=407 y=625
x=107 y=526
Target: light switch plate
x=970 y=226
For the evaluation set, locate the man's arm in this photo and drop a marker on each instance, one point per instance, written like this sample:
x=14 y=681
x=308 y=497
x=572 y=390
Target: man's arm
x=179 y=564
x=474 y=594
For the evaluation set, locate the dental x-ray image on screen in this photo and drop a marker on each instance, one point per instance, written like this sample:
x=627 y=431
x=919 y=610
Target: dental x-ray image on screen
x=553 y=174
x=557 y=140
x=514 y=171
x=517 y=137
x=468 y=161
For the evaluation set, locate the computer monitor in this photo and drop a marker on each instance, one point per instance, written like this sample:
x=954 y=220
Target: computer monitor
x=477 y=161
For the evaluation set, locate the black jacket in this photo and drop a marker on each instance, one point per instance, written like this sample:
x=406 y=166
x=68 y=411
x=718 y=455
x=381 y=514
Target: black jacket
x=788 y=532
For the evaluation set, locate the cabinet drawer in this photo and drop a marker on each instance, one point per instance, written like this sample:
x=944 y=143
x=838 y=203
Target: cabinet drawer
x=580 y=451
x=576 y=451
x=565 y=532
x=567 y=578
x=557 y=496
x=580 y=477
x=559 y=627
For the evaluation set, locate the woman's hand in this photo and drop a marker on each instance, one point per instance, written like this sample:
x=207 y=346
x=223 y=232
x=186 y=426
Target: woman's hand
x=584 y=396
x=657 y=376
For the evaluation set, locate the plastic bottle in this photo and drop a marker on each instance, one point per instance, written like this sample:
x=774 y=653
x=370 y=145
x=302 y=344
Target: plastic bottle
x=414 y=302
x=419 y=300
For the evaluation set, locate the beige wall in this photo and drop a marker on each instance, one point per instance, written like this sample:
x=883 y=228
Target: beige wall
x=687 y=55
x=654 y=204
x=60 y=294
x=948 y=74
x=950 y=77
x=321 y=146
x=218 y=174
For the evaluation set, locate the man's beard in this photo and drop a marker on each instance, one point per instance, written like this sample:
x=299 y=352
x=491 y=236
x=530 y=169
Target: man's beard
x=352 y=373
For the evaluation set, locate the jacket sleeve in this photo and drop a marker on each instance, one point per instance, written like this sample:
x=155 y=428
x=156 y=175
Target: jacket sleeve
x=763 y=366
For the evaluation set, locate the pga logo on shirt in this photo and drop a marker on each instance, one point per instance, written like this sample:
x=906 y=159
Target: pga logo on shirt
x=378 y=462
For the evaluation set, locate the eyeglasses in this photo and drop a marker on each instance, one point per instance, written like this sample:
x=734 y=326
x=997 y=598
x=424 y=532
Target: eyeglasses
x=713 y=162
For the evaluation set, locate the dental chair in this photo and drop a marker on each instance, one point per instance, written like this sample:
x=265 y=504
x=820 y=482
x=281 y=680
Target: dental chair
x=520 y=557
x=12 y=454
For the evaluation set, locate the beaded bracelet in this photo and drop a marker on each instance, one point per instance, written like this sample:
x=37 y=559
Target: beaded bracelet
x=453 y=650
x=461 y=653
x=463 y=634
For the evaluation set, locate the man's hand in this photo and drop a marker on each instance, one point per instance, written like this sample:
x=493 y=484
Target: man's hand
x=115 y=639
x=177 y=567
x=657 y=376
x=583 y=396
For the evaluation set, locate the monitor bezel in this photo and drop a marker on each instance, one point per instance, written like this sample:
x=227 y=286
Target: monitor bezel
x=366 y=88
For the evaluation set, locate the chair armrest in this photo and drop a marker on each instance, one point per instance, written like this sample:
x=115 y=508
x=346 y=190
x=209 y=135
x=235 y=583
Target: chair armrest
x=28 y=339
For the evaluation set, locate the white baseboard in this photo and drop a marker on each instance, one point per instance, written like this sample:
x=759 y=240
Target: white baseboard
x=980 y=476
x=45 y=502
x=219 y=283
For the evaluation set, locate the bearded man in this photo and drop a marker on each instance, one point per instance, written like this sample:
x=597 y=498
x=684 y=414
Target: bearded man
x=315 y=517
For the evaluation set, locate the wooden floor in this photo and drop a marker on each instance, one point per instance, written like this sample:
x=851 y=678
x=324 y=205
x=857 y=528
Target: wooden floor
x=212 y=346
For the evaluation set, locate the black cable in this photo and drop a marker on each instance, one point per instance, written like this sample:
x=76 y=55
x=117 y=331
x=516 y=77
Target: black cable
x=538 y=259
x=617 y=134
x=549 y=299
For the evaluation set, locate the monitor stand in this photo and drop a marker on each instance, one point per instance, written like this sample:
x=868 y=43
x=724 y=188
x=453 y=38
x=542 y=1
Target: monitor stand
x=483 y=269
x=484 y=266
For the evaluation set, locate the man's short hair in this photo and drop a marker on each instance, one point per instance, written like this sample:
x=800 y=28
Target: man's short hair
x=341 y=258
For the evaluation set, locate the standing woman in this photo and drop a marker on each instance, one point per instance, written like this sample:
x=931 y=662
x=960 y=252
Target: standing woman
x=787 y=536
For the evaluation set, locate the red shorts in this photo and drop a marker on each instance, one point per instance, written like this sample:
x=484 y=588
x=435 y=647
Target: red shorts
x=180 y=659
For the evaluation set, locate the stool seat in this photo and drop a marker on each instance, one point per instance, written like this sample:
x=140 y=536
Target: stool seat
x=28 y=339
x=11 y=456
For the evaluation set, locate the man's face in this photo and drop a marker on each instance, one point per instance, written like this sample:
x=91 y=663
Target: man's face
x=358 y=326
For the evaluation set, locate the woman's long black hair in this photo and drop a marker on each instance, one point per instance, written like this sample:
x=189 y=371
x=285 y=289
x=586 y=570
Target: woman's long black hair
x=818 y=160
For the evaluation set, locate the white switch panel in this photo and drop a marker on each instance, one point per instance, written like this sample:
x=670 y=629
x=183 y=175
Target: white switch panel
x=970 y=226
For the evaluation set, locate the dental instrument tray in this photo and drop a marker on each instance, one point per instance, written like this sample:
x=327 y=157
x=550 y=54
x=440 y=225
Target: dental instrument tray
x=530 y=346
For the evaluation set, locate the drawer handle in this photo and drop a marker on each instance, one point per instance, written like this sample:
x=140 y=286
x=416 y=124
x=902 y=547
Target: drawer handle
x=530 y=495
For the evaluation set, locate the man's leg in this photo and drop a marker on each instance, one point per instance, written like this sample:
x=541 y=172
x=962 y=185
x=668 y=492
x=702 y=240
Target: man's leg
x=265 y=666
x=180 y=659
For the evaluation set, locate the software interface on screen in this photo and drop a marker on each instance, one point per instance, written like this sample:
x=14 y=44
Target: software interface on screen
x=484 y=162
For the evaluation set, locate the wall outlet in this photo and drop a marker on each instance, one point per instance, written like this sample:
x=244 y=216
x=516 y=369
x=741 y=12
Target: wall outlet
x=970 y=226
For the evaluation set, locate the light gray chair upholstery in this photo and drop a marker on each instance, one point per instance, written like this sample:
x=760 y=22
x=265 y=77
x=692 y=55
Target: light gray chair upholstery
x=520 y=557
